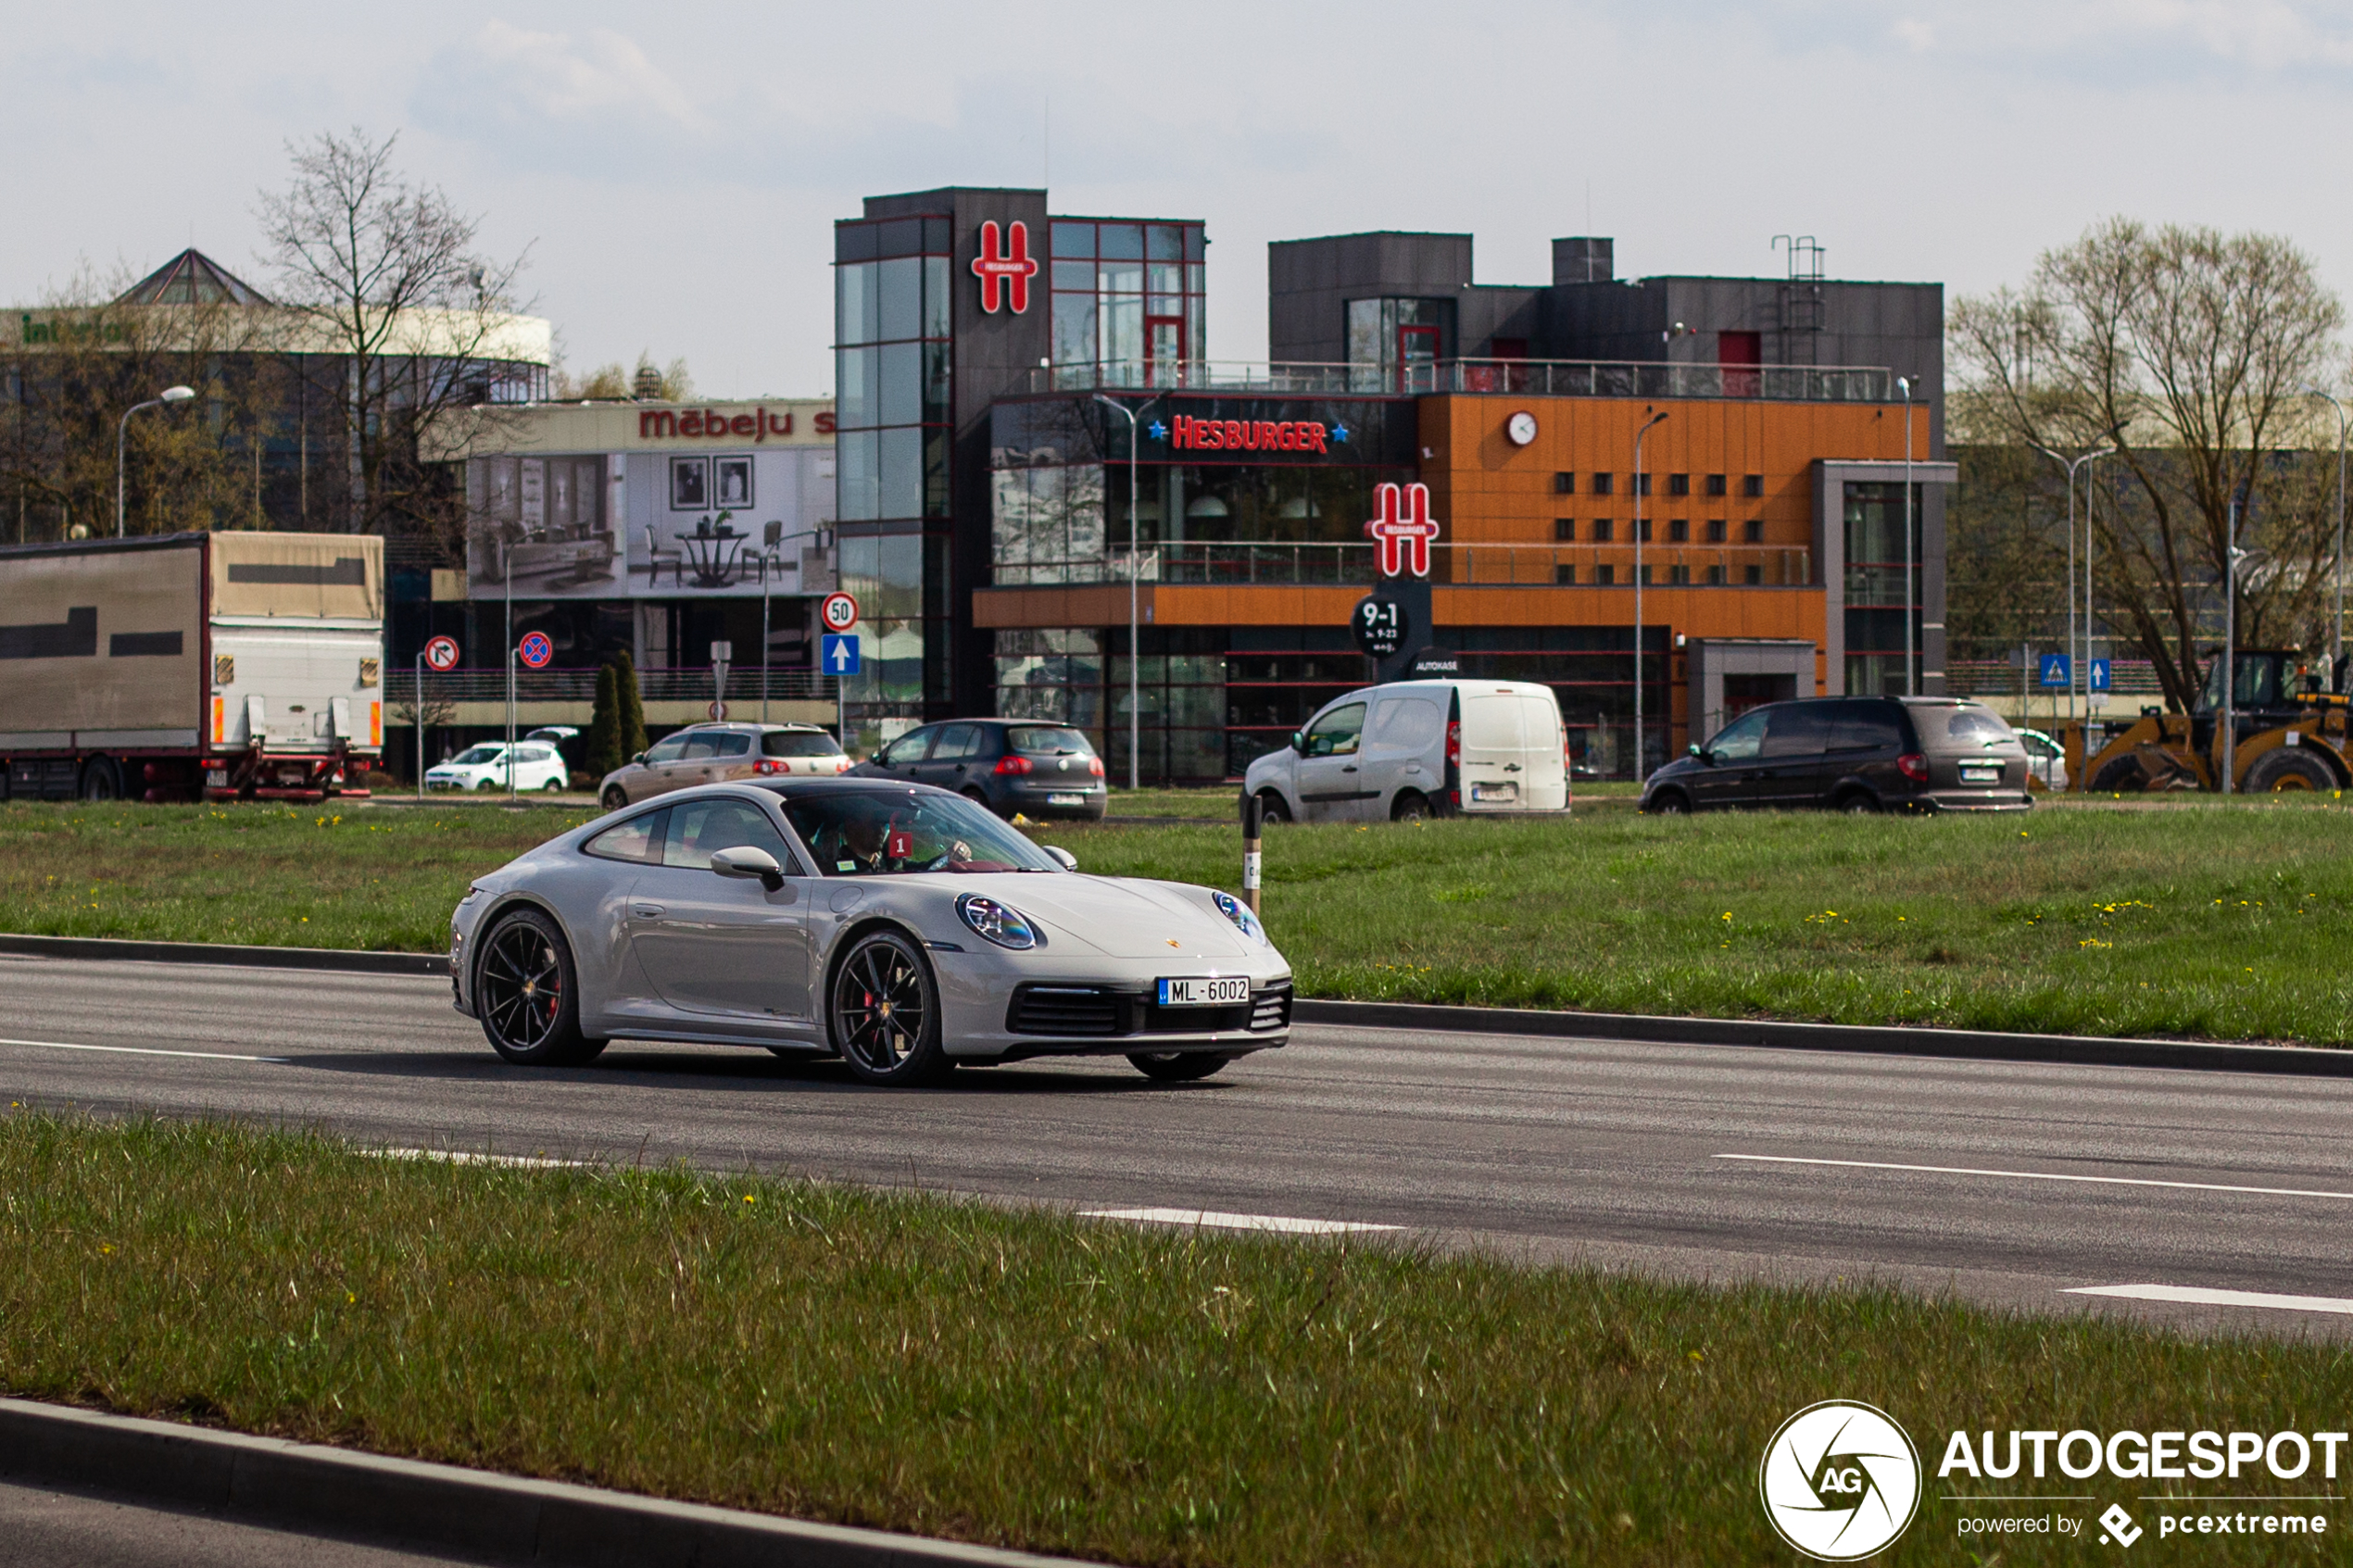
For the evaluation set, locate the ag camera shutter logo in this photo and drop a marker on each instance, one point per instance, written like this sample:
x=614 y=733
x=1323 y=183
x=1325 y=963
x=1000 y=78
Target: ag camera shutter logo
x=1840 y=1480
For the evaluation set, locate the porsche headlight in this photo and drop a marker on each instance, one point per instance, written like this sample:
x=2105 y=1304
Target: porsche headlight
x=1234 y=910
x=1006 y=927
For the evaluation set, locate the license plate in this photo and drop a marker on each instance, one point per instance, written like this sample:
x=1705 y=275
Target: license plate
x=1203 y=993
x=1066 y=801
x=217 y=778
x=1980 y=773
x=1496 y=792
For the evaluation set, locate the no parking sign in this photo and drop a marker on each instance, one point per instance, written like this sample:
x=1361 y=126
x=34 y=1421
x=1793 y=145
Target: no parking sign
x=536 y=650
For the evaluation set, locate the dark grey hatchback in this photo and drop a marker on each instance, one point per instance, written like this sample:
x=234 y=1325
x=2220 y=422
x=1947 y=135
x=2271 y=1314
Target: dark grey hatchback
x=1852 y=754
x=1010 y=766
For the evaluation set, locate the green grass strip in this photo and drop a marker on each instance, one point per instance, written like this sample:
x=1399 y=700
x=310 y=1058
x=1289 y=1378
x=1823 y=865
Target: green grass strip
x=1026 y=1379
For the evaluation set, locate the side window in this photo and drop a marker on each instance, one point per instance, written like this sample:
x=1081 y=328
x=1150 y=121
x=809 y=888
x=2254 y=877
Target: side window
x=1801 y=729
x=637 y=839
x=956 y=742
x=697 y=748
x=1868 y=724
x=1741 y=740
x=730 y=746
x=702 y=829
x=1404 y=723
x=1335 y=734
x=666 y=749
x=909 y=747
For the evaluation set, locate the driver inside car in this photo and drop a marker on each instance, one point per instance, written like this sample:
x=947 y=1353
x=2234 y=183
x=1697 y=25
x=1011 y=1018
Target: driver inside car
x=863 y=839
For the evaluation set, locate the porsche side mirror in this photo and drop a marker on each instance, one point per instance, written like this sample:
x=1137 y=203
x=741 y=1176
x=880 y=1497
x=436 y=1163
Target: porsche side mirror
x=1069 y=861
x=748 y=862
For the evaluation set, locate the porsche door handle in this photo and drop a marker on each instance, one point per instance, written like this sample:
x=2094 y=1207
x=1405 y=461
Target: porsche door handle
x=644 y=912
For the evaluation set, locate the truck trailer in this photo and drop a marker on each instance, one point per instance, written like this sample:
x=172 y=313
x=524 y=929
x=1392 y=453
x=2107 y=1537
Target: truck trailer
x=224 y=666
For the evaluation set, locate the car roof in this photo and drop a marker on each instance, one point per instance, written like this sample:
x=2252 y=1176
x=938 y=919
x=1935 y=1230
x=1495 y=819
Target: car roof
x=792 y=789
x=739 y=725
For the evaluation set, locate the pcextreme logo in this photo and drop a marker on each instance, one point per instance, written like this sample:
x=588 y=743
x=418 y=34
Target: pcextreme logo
x=1840 y=1480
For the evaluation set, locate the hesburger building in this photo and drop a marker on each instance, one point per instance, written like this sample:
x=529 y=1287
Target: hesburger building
x=1720 y=470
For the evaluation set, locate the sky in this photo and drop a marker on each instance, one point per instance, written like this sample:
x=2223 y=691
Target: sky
x=673 y=170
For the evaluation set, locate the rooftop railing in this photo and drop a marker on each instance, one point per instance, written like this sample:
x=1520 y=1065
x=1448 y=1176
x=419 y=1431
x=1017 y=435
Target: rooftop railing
x=1519 y=377
x=1223 y=564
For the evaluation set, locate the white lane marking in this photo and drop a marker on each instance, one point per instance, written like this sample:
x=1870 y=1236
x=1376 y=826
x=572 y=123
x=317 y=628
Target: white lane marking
x=2036 y=1175
x=458 y=1156
x=1211 y=1220
x=2197 y=1297
x=145 y=1050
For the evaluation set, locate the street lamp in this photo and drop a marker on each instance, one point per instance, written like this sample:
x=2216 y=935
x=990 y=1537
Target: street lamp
x=122 y=428
x=2071 y=466
x=1912 y=683
x=767 y=558
x=1654 y=419
x=2227 y=739
x=1135 y=653
x=2336 y=622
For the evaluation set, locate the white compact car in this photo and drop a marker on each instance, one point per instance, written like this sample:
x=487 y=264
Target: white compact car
x=537 y=763
x=1420 y=748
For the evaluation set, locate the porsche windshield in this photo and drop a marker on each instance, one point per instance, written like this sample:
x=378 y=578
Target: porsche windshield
x=886 y=833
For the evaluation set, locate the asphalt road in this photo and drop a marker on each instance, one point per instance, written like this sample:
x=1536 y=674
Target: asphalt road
x=2002 y=1183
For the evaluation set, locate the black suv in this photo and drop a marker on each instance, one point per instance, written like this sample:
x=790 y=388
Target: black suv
x=1852 y=754
x=1009 y=765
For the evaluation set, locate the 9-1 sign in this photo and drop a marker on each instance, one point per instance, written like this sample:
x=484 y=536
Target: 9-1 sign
x=1381 y=626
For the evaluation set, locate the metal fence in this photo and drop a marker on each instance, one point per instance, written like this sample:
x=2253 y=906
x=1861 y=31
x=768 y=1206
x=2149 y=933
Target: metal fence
x=1539 y=378
x=690 y=684
x=2003 y=678
x=1218 y=563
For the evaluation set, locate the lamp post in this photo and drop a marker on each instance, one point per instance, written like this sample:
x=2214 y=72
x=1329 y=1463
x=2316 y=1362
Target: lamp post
x=122 y=428
x=1135 y=653
x=767 y=558
x=2336 y=622
x=2071 y=465
x=1640 y=435
x=2227 y=739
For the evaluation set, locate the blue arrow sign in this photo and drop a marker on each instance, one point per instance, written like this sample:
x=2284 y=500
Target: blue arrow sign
x=841 y=653
x=2058 y=671
x=2099 y=674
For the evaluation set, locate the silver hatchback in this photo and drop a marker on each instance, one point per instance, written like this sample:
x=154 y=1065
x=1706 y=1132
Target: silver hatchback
x=703 y=754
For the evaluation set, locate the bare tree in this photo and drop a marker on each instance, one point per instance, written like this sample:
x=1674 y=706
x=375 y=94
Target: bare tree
x=387 y=279
x=2193 y=354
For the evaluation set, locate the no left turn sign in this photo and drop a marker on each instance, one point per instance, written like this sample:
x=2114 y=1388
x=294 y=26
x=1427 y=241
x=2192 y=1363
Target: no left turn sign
x=441 y=654
x=839 y=612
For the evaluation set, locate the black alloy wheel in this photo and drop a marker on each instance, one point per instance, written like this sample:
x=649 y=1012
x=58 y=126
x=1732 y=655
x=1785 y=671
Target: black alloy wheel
x=1176 y=1067
x=885 y=1012
x=613 y=800
x=528 y=994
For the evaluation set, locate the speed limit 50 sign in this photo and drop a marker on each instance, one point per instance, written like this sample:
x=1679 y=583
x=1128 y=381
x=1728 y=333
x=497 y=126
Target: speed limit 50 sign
x=839 y=612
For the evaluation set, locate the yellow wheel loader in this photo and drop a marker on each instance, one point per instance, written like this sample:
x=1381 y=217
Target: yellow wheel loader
x=2290 y=735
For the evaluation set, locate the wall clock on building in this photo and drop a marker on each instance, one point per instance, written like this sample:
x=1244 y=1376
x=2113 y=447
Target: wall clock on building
x=1521 y=428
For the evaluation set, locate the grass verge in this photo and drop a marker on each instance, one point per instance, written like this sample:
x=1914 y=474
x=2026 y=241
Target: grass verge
x=1024 y=1379
x=2219 y=922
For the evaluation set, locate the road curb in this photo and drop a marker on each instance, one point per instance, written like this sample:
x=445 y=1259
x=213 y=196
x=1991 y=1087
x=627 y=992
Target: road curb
x=286 y=1485
x=343 y=959
x=2076 y=1050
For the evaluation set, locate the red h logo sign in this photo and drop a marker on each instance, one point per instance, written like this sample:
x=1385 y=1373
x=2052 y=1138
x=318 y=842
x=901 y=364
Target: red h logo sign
x=1002 y=270
x=1404 y=540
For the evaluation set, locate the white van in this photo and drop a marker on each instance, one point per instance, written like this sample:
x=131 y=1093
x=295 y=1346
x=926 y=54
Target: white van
x=1416 y=748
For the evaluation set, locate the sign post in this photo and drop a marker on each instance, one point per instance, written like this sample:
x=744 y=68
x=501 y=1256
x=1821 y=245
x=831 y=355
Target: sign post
x=534 y=650
x=837 y=614
x=442 y=654
x=722 y=654
x=1253 y=817
x=1399 y=609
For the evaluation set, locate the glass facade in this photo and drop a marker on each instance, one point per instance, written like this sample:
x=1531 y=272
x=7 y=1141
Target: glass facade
x=1129 y=297
x=1395 y=345
x=1875 y=587
x=893 y=365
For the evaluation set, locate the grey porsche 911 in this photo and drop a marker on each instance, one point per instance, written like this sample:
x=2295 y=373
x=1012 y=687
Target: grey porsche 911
x=900 y=926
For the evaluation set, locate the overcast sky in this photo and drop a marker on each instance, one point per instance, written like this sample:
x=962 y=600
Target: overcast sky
x=674 y=168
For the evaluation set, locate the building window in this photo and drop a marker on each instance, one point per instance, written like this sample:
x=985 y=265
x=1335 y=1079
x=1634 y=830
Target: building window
x=1604 y=483
x=1644 y=528
x=1605 y=577
x=1714 y=576
x=1715 y=485
x=1679 y=530
x=1565 y=574
x=1642 y=484
x=1129 y=302
x=1603 y=530
x=1753 y=575
x=1642 y=574
x=1753 y=530
x=1753 y=486
x=1678 y=484
x=1564 y=485
x=1680 y=576
x=1565 y=530
x=1716 y=530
